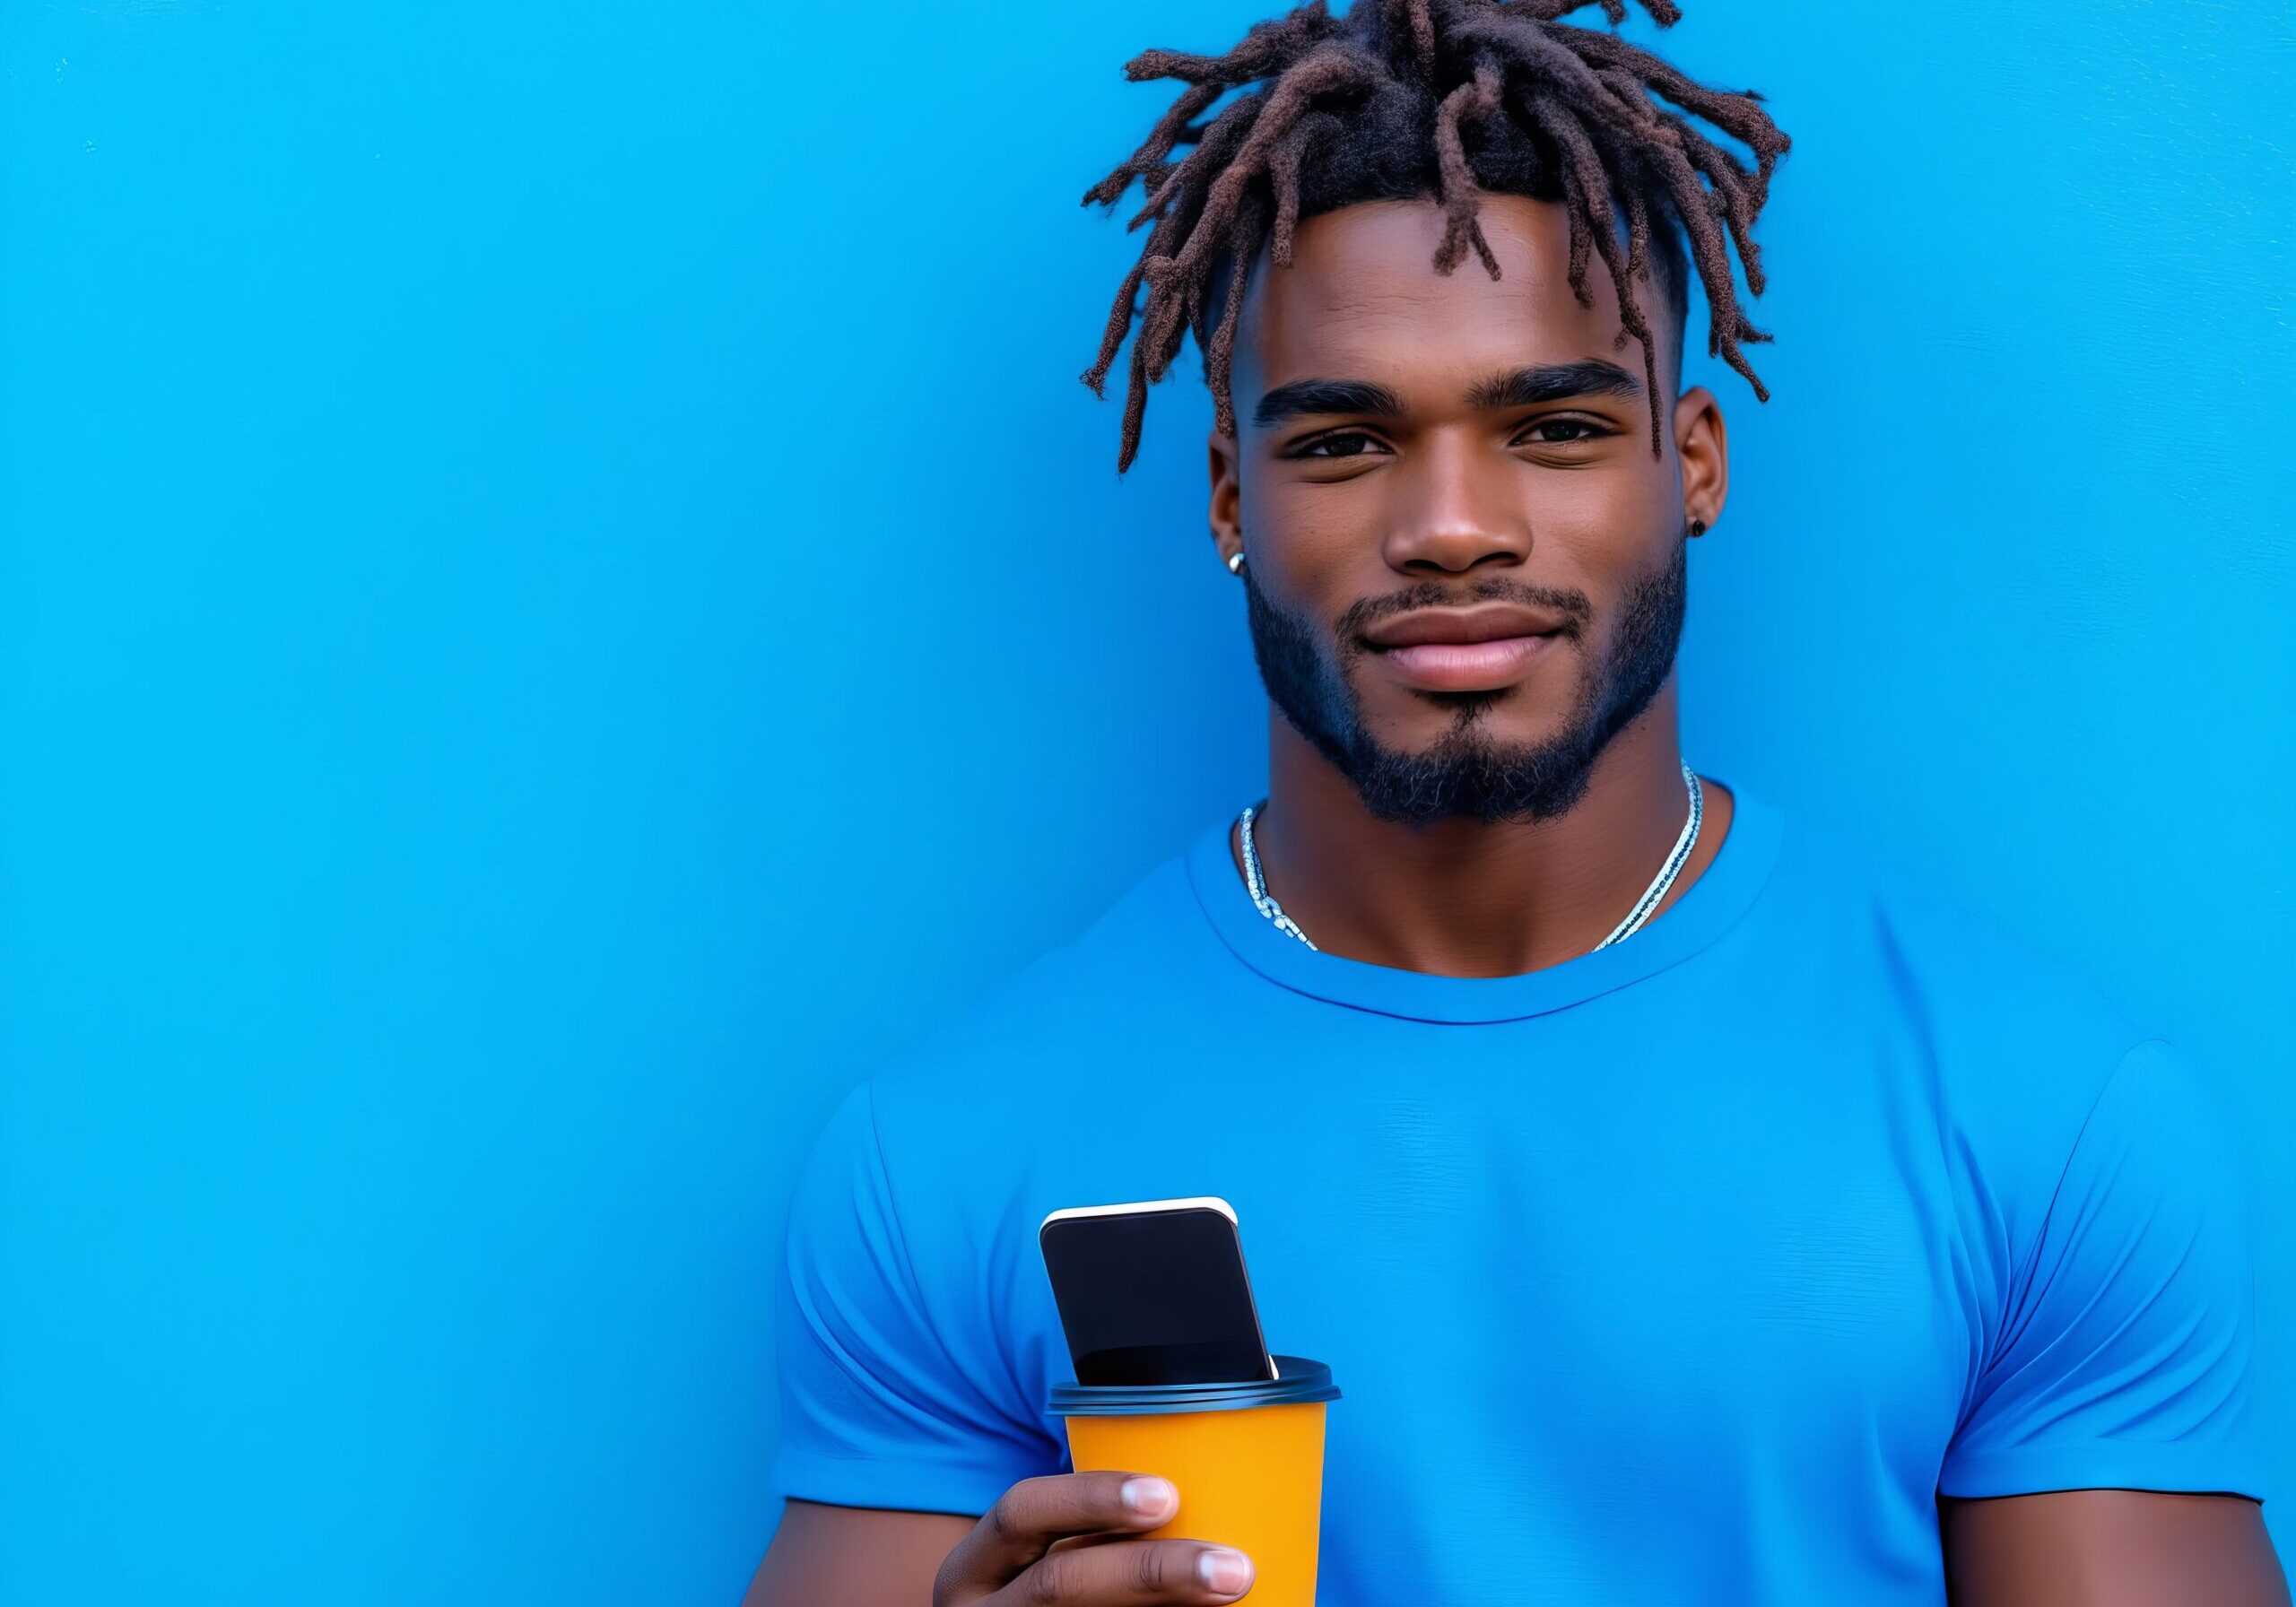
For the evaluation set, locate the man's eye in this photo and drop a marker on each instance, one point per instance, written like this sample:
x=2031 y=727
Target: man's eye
x=1345 y=443
x=1574 y=429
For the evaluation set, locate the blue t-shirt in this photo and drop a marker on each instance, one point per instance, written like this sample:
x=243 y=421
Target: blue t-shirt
x=1692 y=1269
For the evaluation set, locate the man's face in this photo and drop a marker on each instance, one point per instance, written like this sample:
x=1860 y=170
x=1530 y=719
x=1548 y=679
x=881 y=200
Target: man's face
x=1464 y=566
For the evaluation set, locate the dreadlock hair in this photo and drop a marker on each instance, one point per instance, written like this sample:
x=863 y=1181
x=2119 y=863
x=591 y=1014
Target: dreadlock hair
x=1403 y=99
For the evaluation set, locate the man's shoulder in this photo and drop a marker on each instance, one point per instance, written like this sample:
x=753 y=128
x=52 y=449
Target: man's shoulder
x=2019 y=1037
x=1947 y=951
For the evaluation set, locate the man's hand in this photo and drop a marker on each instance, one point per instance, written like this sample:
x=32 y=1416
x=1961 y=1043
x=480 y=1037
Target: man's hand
x=1061 y=1542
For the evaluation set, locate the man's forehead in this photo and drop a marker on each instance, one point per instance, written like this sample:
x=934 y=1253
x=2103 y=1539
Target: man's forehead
x=1361 y=298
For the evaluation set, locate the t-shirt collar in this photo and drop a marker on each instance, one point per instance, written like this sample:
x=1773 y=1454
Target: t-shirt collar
x=1703 y=913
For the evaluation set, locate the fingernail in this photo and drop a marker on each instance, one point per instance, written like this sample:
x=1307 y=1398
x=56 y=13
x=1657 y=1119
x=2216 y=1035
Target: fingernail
x=1227 y=1572
x=1151 y=1497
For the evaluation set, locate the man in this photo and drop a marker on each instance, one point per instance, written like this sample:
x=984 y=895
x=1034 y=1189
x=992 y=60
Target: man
x=1690 y=1209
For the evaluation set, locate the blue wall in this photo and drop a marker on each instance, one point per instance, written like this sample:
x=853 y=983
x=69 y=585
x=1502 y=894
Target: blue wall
x=455 y=843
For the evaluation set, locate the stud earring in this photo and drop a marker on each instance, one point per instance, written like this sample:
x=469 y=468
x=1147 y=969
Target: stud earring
x=1235 y=564
x=1697 y=527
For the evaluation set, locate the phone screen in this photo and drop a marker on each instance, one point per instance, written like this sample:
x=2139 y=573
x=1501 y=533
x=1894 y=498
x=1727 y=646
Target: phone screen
x=1154 y=1295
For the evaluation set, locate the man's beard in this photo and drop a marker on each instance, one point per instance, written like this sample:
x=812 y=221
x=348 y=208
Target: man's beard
x=1466 y=772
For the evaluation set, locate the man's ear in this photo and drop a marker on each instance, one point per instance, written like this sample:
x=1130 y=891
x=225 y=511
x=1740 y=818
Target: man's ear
x=1703 y=445
x=1227 y=496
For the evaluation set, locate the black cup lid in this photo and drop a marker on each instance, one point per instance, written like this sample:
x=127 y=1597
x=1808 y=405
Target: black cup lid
x=1297 y=1379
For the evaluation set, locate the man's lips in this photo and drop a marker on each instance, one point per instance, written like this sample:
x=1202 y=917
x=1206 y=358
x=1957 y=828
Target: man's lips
x=1483 y=622
x=1464 y=649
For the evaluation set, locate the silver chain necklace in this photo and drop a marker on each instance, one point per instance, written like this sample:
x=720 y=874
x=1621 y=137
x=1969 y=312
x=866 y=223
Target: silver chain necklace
x=1644 y=906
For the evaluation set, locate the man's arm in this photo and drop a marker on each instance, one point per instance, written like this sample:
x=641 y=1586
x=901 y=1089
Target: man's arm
x=861 y=1557
x=2110 y=1548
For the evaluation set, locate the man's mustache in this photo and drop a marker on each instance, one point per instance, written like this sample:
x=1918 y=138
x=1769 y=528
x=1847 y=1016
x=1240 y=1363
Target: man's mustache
x=1576 y=609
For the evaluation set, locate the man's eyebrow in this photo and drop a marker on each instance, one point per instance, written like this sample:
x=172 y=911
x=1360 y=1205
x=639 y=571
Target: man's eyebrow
x=1519 y=388
x=1552 y=382
x=1325 y=395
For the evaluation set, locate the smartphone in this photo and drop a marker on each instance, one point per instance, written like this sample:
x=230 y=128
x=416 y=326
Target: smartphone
x=1154 y=1292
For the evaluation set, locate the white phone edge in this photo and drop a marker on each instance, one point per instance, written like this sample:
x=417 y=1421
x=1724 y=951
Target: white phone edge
x=1194 y=1201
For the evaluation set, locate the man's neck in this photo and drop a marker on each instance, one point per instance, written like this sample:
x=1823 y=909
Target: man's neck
x=1457 y=897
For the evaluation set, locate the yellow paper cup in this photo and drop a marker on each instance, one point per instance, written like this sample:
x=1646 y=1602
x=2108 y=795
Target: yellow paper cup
x=1248 y=1459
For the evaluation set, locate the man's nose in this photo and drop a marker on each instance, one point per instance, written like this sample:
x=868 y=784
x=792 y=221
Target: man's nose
x=1454 y=509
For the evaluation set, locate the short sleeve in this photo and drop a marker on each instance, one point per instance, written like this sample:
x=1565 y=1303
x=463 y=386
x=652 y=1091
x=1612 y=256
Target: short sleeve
x=874 y=1410
x=2125 y=1353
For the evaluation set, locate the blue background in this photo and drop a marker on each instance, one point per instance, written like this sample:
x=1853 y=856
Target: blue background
x=560 y=595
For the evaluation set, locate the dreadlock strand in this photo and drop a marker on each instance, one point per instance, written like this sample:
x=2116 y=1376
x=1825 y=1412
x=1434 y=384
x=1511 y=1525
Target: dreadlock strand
x=1158 y=341
x=1244 y=237
x=1451 y=170
x=1457 y=179
x=1120 y=321
x=1151 y=348
x=1739 y=116
x=1217 y=146
x=1422 y=35
x=1540 y=111
x=1533 y=49
x=1164 y=322
x=1728 y=175
x=1693 y=203
x=1633 y=104
x=1369 y=106
x=1323 y=72
x=1697 y=207
x=1662 y=12
x=1638 y=223
x=1595 y=183
x=1195 y=313
x=1219 y=358
x=1150 y=157
x=1284 y=163
x=1135 y=409
x=1120 y=314
x=1160 y=319
x=1586 y=176
x=1264 y=44
x=1732 y=186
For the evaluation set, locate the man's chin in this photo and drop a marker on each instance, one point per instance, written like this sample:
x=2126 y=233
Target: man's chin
x=1533 y=782
x=1479 y=741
